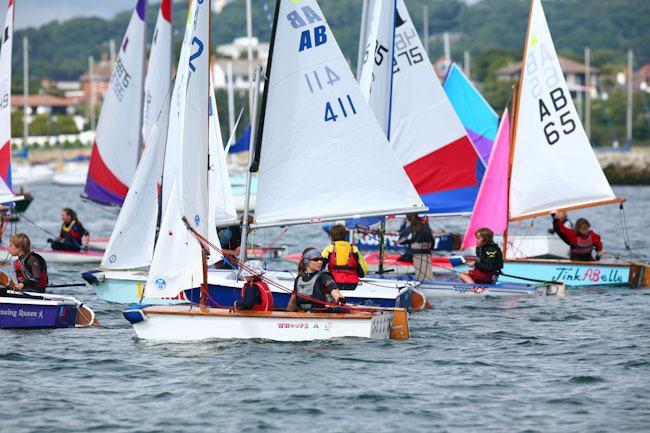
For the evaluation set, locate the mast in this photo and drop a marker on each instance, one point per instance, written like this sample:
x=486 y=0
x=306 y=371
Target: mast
x=142 y=80
x=251 y=157
x=630 y=96
x=25 y=89
x=249 y=52
x=91 y=80
x=231 y=99
x=587 y=92
x=204 y=249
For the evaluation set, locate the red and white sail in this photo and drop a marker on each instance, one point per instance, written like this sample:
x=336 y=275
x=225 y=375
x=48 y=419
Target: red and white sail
x=5 y=95
x=554 y=166
x=119 y=130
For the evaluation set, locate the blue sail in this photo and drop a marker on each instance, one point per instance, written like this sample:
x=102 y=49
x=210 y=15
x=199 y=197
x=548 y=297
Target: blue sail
x=478 y=117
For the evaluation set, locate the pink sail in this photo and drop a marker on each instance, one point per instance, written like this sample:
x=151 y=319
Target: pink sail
x=491 y=208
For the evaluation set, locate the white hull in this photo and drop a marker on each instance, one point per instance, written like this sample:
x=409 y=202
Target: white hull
x=191 y=324
x=23 y=175
x=433 y=289
x=52 y=256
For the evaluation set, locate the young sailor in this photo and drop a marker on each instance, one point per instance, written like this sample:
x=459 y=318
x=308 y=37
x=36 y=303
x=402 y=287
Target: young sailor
x=313 y=282
x=255 y=294
x=343 y=260
x=582 y=240
x=489 y=260
x=73 y=235
x=30 y=268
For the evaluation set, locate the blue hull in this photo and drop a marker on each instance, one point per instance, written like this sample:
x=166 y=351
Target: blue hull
x=573 y=274
x=30 y=316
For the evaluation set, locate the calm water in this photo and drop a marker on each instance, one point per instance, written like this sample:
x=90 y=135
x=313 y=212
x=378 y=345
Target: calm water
x=581 y=363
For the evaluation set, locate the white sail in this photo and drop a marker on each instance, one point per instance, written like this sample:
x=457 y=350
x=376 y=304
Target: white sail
x=116 y=149
x=132 y=241
x=159 y=73
x=176 y=263
x=376 y=76
x=5 y=97
x=222 y=200
x=323 y=154
x=554 y=166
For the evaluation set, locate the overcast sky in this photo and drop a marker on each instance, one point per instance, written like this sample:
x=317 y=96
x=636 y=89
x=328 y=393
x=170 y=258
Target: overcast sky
x=30 y=13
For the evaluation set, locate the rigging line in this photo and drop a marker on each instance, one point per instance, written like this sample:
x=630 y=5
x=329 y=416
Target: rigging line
x=37 y=226
x=624 y=227
x=205 y=242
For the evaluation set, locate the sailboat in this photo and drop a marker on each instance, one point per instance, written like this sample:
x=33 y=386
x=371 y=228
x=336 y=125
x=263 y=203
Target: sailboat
x=551 y=167
x=304 y=48
x=118 y=138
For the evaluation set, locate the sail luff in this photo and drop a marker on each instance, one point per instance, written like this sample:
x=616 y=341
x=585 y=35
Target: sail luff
x=6 y=52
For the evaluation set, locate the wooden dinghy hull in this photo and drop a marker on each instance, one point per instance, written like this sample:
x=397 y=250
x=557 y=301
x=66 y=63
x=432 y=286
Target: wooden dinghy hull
x=191 y=323
x=572 y=273
x=42 y=311
x=451 y=289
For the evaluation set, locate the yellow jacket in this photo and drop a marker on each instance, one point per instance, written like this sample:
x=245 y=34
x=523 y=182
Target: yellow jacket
x=343 y=252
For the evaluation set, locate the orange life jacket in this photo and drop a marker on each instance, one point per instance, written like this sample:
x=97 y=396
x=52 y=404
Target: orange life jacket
x=266 y=303
x=346 y=274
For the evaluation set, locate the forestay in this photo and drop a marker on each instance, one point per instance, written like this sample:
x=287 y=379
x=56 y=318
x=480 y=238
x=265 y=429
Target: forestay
x=426 y=134
x=116 y=149
x=323 y=154
x=491 y=208
x=477 y=116
x=554 y=166
x=376 y=76
x=5 y=98
x=176 y=264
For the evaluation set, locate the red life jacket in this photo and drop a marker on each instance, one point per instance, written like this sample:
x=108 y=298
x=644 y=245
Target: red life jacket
x=23 y=274
x=346 y=274
x=266 y=303
x=583 y=246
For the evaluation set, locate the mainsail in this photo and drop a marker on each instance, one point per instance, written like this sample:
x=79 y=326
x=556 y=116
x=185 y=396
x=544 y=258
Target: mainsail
x=491 y=208
x=177 y=263
x=478 y=117
x=554 y=166
x=426 y=134
x=5 y=92
x=323 y=155
x=118 y=138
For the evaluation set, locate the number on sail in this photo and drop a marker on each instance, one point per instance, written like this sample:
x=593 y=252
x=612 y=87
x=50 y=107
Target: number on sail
x=331 y=79
x=199 y=51
x=559 y=102
x=331 y=110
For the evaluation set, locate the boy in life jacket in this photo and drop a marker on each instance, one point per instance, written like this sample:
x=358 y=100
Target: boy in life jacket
x=343 y=260
x=419 y=240
x=489 y=260
x=582 y=240
x=255 y=294
x=73 y=235
x=313 y=282
x=30 y=268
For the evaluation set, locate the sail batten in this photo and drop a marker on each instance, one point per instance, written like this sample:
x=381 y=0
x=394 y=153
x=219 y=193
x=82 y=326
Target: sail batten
x=323 y=154
x=553 y=164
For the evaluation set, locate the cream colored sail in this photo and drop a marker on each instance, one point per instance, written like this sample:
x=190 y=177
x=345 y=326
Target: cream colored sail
x=554 y=166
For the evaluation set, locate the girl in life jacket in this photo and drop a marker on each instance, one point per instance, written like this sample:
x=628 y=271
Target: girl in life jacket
x=73 y=235
x=31 y=270
x=342 y=260
x=255 y=294
x=489 y=260
x=582 y=240
x=314 y=287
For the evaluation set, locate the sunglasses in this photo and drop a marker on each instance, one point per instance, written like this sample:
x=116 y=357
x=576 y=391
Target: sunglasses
x=317 y=259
